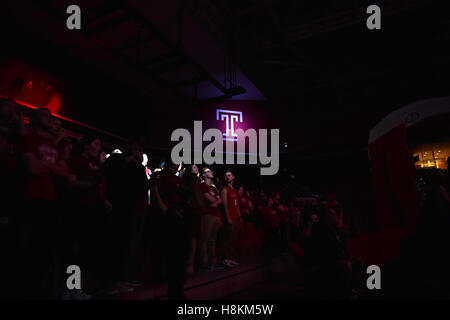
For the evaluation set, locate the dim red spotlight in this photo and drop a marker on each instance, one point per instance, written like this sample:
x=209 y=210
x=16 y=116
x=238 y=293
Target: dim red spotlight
x=35 y=93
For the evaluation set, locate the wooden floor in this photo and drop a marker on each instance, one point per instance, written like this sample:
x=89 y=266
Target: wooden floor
x=224 y=283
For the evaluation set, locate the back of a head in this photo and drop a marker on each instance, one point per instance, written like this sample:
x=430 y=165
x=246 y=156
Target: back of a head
x=35 y=119
x=170 y=167
x=133 y=148
x=82 y=142
x=328 y=216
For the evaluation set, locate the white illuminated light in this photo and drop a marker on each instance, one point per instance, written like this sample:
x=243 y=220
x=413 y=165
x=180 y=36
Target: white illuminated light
x=117 y=151
x=230 y=117
x=107 y=156
x=144 y=159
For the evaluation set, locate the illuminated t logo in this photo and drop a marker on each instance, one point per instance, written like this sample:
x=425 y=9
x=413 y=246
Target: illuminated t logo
x=230 y=117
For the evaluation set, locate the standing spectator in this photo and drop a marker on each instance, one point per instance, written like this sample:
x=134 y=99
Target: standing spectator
x=127 y=187
x=232 y=219
x=89 y=210
x=178 y=227
x=247 y=230
x=327 y=253
x=271 y=242
x=245 y=204
x=210 y=221
x=136 y=191
x=260 y=204
x=42 y=163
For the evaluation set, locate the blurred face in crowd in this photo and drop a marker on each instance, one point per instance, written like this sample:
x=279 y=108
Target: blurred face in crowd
x=314 y=218
x=56 y=126
x=140 y=155
x=136 y=152
x=208 y=173
x=194 y=169
x=228 y=177
x=173 y=168
x=43 y=119
x=262 y=195
x=270 y=202
x=332 y=217
x=94 y=148
x=67 y=150
x=241 y=190
x=102 y=157
x=276 y=197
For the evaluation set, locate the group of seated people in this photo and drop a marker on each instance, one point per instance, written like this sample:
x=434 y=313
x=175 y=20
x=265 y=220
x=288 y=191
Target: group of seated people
x=64 y=203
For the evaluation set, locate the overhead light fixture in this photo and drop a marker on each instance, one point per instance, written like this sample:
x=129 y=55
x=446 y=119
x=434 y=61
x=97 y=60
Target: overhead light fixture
x=234 y=91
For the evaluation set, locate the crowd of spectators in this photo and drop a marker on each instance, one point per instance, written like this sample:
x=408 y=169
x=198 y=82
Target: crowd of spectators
x=65 y=203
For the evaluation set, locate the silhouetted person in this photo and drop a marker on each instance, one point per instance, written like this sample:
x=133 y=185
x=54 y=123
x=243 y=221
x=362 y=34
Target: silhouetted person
x=232 y=219
x=42 y=163
x=327 y=253
x=89 y=210
x=173 y=200
x=127 y=187
x=210 y=222
x=11 y=132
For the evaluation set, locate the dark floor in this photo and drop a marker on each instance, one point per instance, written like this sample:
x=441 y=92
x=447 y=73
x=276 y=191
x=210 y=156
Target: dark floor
x=286 y=286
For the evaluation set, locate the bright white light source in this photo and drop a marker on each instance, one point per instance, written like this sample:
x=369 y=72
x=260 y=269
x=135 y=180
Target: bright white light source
x=144 y=159
x=116 y=151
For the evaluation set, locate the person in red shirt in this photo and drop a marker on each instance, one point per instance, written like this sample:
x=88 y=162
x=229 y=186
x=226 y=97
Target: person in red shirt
x=232 y=219
x=271 y=221
x=210 y=222
x=246 y=233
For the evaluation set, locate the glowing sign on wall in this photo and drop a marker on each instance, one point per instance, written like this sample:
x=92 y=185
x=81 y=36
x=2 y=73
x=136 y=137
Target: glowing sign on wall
x=230 y=118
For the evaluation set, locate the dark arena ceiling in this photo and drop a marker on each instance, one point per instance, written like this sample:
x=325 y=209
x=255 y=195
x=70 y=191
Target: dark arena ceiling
x=136 y=65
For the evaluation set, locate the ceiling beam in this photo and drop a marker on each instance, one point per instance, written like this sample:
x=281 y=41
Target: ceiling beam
x=118 y=19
